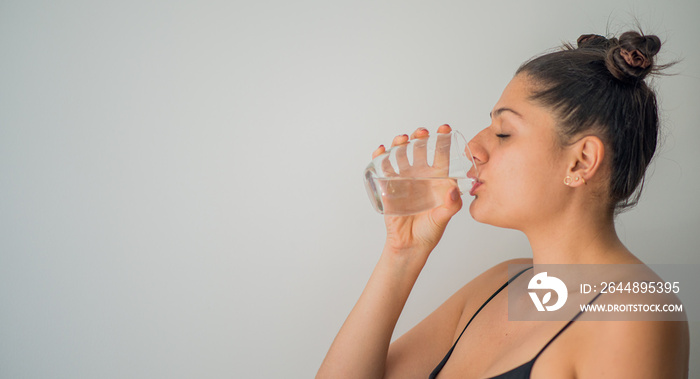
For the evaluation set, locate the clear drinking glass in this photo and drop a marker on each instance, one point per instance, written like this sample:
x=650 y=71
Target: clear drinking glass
x=414 y=177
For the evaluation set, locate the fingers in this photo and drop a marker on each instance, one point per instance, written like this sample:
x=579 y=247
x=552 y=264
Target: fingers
x=420 y=153
x=444 y=129
x=380 y=150
x=399 y=140
x=452 y=203
x=386 y=163
x=442 y=149
x=419 y=150
x=442 y=152
x=388 y=169
x=420 y=133
x=401 y=156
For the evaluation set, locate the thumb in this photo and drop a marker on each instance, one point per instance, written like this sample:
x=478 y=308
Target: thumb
x=451 y=204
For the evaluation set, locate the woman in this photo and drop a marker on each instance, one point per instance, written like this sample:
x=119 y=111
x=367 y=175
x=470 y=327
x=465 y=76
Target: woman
x=572 y=134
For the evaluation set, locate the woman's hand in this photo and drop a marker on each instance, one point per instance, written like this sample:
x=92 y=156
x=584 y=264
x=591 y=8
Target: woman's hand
x=421 y=232
x=360 y=349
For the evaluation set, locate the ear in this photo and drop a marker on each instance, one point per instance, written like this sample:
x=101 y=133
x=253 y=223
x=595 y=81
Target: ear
x=586 y=160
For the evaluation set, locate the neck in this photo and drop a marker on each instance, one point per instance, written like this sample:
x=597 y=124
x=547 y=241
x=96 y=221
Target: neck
x=578 y=238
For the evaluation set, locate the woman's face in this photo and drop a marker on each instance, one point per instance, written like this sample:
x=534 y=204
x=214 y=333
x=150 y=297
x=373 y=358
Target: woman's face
x=520 y=163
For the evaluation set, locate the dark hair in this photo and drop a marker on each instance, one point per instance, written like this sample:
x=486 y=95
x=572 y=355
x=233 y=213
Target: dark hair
x=598 y=87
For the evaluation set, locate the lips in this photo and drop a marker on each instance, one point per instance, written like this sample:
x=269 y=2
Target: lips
x=475 y=186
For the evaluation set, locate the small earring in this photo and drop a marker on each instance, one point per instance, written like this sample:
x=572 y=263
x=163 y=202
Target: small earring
x=583 y=180
x=577 y=178
x=567 y=180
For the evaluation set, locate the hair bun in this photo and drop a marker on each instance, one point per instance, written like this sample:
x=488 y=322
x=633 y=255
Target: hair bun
x=631 y=57
x=591 y=40
x=647 y=45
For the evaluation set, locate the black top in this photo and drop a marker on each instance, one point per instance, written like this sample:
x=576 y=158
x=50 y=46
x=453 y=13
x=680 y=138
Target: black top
x=522 y=371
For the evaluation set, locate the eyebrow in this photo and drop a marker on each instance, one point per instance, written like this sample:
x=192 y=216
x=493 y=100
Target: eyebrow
x=499 y=111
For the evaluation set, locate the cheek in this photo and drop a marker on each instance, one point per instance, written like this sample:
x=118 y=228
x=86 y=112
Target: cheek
x=509 y=191
x=532 y=182
x=525 y=173
x=521 y=185
x=545 y=167
x=547 y=188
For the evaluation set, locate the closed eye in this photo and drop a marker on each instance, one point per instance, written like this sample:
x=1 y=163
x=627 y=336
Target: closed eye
x=502 y=136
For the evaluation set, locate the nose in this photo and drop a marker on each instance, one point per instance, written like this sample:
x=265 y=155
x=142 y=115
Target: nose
x=477 y=146
x=479 y=155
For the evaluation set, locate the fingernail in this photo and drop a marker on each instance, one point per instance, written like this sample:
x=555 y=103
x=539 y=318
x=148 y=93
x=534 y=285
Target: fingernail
x=455 y=194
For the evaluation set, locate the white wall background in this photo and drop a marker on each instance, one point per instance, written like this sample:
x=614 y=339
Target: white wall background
x=181 y=186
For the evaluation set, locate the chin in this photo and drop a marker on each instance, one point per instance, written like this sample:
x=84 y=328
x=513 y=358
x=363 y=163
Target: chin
x=477 y=212
x=484 y=216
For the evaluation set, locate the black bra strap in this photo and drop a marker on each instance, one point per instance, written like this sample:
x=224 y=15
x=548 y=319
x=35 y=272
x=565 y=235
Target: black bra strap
x=564 y=328
x=449 y=353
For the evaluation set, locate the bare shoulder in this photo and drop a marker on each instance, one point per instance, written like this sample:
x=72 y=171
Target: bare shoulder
x=419 y=349
x=635 y=349
x=492 y=278
x=477 y=290
x=503 y=270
